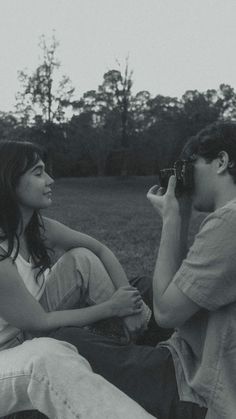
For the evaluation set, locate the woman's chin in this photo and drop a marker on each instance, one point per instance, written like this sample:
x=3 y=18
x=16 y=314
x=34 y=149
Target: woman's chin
x=47 y=203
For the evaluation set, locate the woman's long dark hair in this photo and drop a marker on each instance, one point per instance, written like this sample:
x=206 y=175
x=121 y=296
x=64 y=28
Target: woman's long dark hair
x=16 y=157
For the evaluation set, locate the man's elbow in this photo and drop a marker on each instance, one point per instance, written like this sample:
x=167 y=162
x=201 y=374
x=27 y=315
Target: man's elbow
x=164 y=319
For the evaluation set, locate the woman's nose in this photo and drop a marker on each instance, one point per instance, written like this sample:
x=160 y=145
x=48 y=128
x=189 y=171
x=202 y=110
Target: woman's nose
x=49 y=179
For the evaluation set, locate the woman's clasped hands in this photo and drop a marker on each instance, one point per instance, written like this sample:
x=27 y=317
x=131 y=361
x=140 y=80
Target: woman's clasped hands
x=126 y=301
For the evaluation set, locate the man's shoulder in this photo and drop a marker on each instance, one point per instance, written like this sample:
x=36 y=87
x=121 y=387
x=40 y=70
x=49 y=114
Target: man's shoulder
x=221 y=217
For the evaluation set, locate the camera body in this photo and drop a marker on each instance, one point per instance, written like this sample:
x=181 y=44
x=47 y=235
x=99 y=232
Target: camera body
x=183 y=170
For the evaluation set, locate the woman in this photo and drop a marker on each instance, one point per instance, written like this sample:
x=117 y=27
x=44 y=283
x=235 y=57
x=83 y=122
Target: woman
x=87 y=284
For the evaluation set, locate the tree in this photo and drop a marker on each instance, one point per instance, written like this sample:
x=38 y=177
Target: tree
x=200 y=109
x=140 y=107
x=118 y=86
x=40 y=94
x=8 y=126
x=226 y=101
x=43 y=98
x=96 y=126
x=163 y=129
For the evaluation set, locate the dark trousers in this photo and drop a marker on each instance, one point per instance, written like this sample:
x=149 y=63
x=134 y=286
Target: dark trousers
x=145 y=373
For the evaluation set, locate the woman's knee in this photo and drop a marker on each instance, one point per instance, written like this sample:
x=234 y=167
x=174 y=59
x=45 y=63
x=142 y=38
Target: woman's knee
x=81 y=260
x=34 y=357
x=79 y=253
x=50 y=346
x=46 y=350
x=88 y=272
x=50 y=359
x=87 y=263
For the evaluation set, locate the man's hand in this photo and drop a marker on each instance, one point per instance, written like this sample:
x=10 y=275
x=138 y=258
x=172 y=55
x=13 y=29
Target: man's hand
x=166 y=203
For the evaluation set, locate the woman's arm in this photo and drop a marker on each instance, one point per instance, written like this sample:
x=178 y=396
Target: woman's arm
x=65 y=238
x=20 y=309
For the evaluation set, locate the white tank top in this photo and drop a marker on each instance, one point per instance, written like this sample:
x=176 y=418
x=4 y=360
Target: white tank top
x=35 y=286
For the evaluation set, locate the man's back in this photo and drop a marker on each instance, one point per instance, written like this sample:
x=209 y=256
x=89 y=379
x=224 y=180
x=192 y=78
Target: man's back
x=204 y=349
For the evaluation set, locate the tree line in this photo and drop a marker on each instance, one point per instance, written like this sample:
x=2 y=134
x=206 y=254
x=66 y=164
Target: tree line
x=108 y=131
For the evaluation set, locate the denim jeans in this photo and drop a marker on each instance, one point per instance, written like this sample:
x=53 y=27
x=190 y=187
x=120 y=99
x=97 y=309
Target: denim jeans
x=144 y=373
x=49 y=375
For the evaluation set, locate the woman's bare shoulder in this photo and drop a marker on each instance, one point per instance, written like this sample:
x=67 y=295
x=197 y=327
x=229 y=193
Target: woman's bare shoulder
x=50 y=224
x=51 y=229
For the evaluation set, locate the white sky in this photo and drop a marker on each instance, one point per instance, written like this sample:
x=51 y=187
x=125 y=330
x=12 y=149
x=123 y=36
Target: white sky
x=173 y=45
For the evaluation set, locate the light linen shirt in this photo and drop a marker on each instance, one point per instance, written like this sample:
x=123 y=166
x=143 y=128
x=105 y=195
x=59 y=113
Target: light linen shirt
x=204 y=348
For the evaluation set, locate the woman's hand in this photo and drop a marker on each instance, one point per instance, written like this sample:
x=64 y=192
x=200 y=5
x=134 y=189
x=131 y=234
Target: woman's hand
x=126 y=301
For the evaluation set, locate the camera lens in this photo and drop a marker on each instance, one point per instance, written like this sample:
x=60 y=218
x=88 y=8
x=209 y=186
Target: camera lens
x=164 y=176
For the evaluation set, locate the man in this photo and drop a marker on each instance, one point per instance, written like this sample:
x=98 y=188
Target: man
x=193 y=373
x=197 y=295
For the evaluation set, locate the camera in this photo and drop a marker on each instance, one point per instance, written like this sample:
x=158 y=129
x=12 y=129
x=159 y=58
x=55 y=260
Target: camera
x=183 y=170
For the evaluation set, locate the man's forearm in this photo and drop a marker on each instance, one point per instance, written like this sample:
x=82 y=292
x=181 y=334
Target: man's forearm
x=172 y=250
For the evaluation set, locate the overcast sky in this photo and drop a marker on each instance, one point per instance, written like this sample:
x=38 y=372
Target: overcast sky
x=173 y=45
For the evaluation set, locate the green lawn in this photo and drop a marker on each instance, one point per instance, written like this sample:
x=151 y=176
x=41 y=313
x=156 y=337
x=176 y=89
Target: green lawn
x=116 y=212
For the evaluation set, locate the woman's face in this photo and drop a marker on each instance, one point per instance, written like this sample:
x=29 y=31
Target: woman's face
x=34 y=188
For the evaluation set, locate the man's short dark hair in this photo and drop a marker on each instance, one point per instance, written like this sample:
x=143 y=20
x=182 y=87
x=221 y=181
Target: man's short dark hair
x=210 y=141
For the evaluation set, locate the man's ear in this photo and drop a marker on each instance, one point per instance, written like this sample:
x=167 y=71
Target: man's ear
x=223 y=162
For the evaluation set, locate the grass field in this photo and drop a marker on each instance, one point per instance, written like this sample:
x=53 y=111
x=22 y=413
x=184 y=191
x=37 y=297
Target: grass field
x=116 y=212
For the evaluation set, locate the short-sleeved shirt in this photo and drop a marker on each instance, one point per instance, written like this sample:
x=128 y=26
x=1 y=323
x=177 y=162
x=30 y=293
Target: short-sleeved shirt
x=204 y=348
